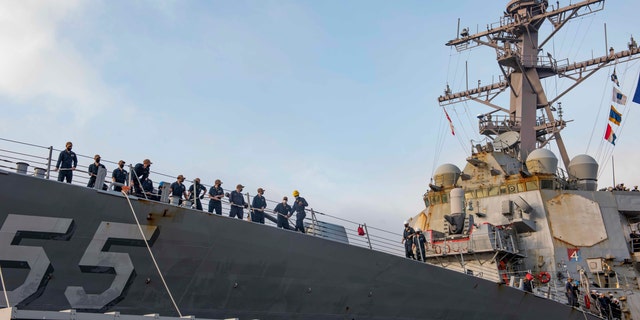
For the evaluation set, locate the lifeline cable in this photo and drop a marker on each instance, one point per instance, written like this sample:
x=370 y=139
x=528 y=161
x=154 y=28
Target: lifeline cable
x=464 y=132
x=439 y=144
x=597 y=117
x=4 y=288
x=153 y=258
x=139 y=183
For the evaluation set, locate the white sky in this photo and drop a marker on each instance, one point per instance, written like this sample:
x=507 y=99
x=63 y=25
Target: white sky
x=337 y=99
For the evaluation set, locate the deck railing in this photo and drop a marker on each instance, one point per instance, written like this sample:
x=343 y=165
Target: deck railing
x=37 y=160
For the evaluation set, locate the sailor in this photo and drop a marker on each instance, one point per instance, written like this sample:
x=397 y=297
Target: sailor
x=407 y=239
x=621 y=187
x=594 y=295
x=119 y=175
x=604 y=304
x=198 y=194
x=215 y=197
x=67 y=162
x=526 y=284
x=93 y=170
x=257 y=207
x=419 y=240
x=177 y=190
x=616 y=311
x=571 y=291
x=236 y=200
x=283 y=210
x=298 y=206
x=141 y=173
x=147 y=186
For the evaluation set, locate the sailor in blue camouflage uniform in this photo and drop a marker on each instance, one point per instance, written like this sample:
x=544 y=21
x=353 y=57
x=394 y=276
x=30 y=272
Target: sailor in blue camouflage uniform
x=258 y=205
x=216 y=193
x=93 y=170
x=298 y=207
x=198 y=194
x=283 y=210
x=236 y=200
x=67 y=162
x=119 y=175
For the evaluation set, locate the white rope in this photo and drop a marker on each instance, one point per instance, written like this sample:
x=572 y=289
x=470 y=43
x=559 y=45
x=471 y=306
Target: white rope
x=139 y=183
x=4 y=288
x=151 y=253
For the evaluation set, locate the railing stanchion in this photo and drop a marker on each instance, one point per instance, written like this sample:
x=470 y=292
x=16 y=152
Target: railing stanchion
x=314 y=221
x=366 y=232
x=250 y=213
x=49 y=161
x=331 y=227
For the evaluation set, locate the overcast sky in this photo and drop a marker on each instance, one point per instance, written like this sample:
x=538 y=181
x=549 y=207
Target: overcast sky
x=337 y=99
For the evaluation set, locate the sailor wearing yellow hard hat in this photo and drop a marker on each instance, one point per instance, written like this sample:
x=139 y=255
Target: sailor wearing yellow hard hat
x=298 y=207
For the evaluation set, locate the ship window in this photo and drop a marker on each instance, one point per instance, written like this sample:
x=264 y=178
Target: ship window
x=494 y=191
x=521 y=187
x=470 y=194
x=532 y=185
x=426 y=201
x=546 y=184
x=503 y=189
x=482 y=193
x=445 y=198
x=435 y=199
x=512 y=188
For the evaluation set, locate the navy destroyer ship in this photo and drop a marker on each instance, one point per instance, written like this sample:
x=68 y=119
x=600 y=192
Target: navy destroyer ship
x=72 y=252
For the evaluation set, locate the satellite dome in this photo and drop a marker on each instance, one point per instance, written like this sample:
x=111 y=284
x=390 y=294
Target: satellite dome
x=542 y=161
x=446 y=175
x=584 y=169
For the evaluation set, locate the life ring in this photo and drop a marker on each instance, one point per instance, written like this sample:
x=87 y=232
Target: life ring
x=456 y=248
x=437 y=249
x=544 y=277
x=447 y=249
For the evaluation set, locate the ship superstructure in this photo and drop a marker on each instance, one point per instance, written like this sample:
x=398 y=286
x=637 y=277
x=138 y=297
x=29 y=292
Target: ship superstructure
x=513 y=210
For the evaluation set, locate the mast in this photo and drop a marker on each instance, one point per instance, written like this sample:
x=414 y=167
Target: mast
x=518 y=47
x=613 y=171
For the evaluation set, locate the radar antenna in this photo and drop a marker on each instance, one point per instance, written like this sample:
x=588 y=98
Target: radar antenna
x=523 y=67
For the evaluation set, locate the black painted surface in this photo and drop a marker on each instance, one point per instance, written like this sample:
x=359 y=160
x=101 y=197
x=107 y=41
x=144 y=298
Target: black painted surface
x=220 y=267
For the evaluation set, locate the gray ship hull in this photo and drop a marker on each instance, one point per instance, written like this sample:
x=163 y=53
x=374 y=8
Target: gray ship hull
x=219 y=267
